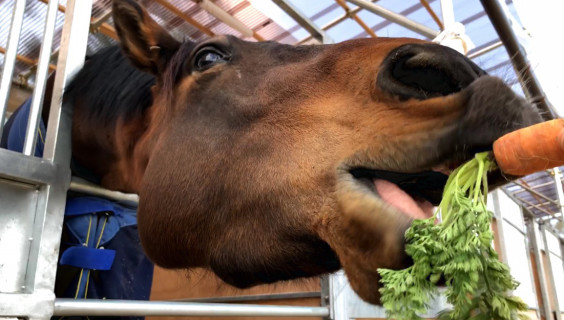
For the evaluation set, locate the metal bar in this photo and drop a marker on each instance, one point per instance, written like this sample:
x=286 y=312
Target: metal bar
x=498 y=214
x=170 y=7
x=536 y=186
x=432 y=13
x=537 y=198
x=396 y=18
x=226 y=18
x=353 y=16
x=98 y=22
x=91 y=189
x=556 y=308
x=546 y=218
x=532 y=191
x=476 y=53
x=95 y=307
x=447 y=11
x=559 y=190
x=257 y=297
x=536 y=207
x=10 y=58
x=517 y=55
x=104 y=28
x=30 y=170
x=303 y=21
x=41 y=79
x=333 y=295
x=544 y=304
x=27 y=60
x=72 y=52
x=331 y=24
x=541 y=204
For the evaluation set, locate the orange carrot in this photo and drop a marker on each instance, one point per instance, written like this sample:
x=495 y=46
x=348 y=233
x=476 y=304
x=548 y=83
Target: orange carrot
x=531 y=149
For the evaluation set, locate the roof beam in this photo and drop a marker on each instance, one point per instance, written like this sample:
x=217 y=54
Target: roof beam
x=104 y=28
x=170 y=7
x=396 y=18
x=228 y=19
x=305 y=22
x=432 y=13
x=356 y=18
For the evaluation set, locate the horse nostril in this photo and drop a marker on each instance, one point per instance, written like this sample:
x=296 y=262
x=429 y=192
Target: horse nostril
x=426 y=70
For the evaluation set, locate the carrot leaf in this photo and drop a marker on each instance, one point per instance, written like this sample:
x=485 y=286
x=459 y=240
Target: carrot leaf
x=459 y=250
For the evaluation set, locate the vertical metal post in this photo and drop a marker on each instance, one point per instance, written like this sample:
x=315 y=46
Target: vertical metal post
x=333 y=294
x=561 y=241
x=71 y=58
x=517 y=56
x=550 y=274
x=532 y=232
x=559 y=190
x=447 y=12
x=10 y=58
x=77 y=15
x=41 y=79
x=498 y=215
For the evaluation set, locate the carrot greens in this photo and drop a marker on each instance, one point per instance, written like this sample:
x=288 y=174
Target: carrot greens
x=458 y=250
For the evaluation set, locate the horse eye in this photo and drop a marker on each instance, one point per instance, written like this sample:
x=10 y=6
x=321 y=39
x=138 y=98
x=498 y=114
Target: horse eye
x=207 y=58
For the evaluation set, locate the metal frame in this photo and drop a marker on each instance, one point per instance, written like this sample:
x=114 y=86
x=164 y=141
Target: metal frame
x=306 y=23
x=396 y=18
x=26 y=289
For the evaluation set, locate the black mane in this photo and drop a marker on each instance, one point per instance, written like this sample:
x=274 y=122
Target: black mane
x=109 y=86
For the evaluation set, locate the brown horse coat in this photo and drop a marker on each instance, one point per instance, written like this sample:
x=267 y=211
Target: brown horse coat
x=267 y=162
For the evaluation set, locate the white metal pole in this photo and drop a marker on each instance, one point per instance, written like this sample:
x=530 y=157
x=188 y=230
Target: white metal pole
x=447 y=12
x=10 y=58
x=41 y=79
x=72 y=52
x=550 y=275
x=532 y=232
x=95 y=307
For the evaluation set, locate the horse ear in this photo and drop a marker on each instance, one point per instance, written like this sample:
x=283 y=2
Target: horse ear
x=146 y=43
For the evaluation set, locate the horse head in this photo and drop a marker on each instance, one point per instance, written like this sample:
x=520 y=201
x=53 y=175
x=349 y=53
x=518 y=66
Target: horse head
x=268 y=162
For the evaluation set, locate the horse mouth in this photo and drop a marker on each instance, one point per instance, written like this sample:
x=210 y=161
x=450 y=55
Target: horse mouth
x=413 y=194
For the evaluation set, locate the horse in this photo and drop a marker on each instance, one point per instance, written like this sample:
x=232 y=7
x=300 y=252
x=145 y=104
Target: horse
x=265 y=162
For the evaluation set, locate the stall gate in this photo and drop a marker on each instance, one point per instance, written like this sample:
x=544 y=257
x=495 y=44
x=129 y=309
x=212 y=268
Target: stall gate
x=33 y=194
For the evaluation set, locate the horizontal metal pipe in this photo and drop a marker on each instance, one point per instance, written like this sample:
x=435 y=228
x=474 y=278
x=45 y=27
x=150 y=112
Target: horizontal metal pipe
x=95 y=307
x=477 y=53
x=396 y=18
x=91 y=189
